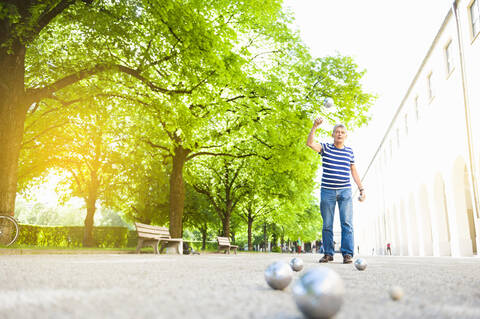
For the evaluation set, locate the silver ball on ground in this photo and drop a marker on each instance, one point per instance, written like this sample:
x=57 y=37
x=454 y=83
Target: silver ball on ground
x=319 y=293
x=328 y=102
x=296 y=264
x=278 y=275
x=396 y=292
x=360 y=264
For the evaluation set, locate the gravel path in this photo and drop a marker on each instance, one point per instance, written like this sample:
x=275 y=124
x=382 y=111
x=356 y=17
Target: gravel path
x=225 y=286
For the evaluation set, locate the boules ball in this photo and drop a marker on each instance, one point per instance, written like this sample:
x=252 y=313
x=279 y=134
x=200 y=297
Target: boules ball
x=319 y=293
x=278 y=275
x=360 y=264
x=328 y=102
x=396 y=293
x=296 y=264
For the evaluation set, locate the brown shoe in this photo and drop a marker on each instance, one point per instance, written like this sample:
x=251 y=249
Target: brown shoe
x=347 y=259
x=326 y=259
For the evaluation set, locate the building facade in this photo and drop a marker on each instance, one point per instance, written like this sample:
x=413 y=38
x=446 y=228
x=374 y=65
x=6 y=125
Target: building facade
x=422 y=183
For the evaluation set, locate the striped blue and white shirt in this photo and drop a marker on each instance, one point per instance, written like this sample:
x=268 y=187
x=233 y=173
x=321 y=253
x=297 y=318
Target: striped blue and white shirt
x=336 y=166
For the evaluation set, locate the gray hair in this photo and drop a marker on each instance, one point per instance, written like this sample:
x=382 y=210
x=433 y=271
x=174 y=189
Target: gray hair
x=339 y=125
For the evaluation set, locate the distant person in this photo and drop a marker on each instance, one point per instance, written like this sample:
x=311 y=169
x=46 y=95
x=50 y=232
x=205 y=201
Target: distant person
x=299 y=245
x=389 y=249
x=338 y=163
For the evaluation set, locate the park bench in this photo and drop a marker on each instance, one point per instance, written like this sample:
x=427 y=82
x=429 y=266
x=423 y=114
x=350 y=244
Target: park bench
x=149 y=235
x=224 y=244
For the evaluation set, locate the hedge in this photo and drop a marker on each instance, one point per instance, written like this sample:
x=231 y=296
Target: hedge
x=72 y=236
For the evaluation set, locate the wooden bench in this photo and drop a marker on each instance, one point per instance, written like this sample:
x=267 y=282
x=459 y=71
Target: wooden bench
x=149 y=235
x=224 y=244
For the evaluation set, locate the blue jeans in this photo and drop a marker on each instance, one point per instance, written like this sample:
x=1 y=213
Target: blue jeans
x=329 y=198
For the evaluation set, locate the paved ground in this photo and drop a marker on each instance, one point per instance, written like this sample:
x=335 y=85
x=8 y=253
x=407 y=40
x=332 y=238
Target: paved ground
x=225 y=286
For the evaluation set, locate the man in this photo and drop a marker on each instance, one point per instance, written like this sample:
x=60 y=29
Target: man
x=338 y=163
x=389 y=249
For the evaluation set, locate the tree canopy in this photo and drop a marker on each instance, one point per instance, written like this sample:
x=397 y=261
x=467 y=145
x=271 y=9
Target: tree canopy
x=143 y=102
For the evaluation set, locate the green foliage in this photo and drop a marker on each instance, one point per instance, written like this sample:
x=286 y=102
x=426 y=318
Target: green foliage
x=276 y=249
x=226 y=82
x=72 y=236
x=199 y=213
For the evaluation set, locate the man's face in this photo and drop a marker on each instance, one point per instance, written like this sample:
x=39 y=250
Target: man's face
x=339 y=135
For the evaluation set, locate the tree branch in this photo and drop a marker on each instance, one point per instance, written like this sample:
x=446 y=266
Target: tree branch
x=34 y=95
x=49 y=14
x=220 y=154
x=262 y=142
x=157 y=146
x=41 y=133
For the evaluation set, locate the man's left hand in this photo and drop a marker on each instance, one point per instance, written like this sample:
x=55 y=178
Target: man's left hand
x=362 y=196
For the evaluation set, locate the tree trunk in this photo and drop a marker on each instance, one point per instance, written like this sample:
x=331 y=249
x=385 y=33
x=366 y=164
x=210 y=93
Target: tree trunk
x=250 y=224
x=177 y=192
x=265 y=236
x=274 y=240
x=88 y=240
x=12 y=118
x=91 y=200
x=204 y=236
x=226 y=216
x=226 y=225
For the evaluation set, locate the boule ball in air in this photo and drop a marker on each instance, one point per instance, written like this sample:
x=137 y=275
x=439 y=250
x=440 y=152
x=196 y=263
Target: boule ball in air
x=296 y=264
x=278 y=275
x=319 y=293
x=360 y=264
x=328 y=102
x=396 y=293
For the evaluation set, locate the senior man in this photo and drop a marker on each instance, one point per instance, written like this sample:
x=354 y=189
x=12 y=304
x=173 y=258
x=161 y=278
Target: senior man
x=338 y=162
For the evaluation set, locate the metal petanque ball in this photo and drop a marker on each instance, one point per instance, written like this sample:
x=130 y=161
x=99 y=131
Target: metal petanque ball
x=278 y=275
x=319 y=293
x=360 y=264
x=395 y=292
x=296 y=264
x=328 y=102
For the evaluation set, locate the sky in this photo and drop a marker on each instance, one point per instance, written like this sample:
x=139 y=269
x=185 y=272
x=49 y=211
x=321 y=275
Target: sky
x=389 y=39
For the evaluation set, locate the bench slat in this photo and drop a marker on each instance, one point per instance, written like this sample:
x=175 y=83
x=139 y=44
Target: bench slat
x=140 y=225
x=152 y=232
x=149 y=235
x=223 y=241
x=149 y=231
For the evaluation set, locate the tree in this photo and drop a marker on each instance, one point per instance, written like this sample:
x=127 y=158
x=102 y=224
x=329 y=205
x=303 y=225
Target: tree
x=199 y=213
x=219 y=181
x=86 y=147
x=46 y=46
x=21 y=22
x=253 y=209
x=210 y=75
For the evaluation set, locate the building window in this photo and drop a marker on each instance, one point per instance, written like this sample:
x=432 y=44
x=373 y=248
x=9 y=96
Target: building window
x=475 y=17
x=417 y=110
x=429 y=86
x=449 y=57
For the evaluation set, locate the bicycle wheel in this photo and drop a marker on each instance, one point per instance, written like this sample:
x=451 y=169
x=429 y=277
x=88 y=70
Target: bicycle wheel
x=8 y=230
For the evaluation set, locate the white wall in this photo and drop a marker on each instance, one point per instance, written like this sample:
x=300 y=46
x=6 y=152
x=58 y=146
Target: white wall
x=420 y=193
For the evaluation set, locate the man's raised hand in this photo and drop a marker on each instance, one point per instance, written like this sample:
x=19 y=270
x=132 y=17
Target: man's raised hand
x=318 y=121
